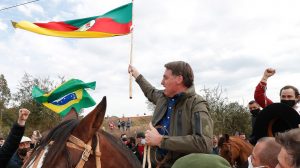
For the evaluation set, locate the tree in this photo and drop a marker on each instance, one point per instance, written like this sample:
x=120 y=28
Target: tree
x=5 y=95
x=228 y=117
x=41 y=118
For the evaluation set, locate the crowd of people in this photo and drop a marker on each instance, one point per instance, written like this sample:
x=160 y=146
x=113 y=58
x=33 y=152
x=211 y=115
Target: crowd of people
x=181 y=130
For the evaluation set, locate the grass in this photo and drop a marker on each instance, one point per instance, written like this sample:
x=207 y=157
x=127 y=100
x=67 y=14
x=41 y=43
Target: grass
x=138 y=124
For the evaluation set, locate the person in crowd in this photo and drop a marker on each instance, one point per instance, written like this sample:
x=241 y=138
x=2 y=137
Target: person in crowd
x=119 y=125
x=2 y=140
x=128 y=124
x=20 y=155
x=254 y=108
x=111 y=125
x=289 y=95
x=14 y=137
x=289 y=155
x=123 y=125
x=35 y=138
x=200 y=160
x=181 y=123
x=138 y=150
x=215 y=145
x=124 y=139
x=264 y=153
x=131 y=143
x=243 y=136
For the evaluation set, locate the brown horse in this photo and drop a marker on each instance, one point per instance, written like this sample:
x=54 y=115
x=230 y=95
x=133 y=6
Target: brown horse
x=80 y=143
x=235 y=150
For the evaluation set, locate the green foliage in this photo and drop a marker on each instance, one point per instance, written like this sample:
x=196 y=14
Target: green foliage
x=5 y=97
x=228 y=117
x=41 y=118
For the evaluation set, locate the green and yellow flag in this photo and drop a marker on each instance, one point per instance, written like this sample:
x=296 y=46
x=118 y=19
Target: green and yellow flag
x=71 y=94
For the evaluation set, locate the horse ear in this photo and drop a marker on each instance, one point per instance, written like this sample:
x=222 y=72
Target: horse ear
x=91 y=123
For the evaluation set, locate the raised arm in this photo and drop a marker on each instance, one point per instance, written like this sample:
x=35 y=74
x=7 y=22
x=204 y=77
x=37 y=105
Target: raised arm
x=260 y=91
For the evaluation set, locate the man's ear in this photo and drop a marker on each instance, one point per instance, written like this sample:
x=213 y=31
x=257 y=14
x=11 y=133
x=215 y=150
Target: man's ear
x=179 y=79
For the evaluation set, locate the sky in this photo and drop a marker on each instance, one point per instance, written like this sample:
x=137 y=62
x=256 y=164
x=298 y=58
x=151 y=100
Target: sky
x=228 y=43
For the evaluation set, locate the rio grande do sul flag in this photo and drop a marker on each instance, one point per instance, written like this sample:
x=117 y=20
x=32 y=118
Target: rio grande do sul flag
x=70 y=94
x=113 y=23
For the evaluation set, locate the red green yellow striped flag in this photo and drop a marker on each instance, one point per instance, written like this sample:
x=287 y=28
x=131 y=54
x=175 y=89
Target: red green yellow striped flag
x=116 y=22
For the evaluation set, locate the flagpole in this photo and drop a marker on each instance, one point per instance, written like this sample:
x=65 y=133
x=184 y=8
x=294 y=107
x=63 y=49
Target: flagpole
x=130 y=58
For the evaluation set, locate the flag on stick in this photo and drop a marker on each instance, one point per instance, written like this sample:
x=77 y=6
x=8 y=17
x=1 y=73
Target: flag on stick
x=69 y=94
x=116 y=22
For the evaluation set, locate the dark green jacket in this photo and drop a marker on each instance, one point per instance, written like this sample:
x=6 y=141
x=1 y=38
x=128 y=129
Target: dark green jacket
x=191 y=127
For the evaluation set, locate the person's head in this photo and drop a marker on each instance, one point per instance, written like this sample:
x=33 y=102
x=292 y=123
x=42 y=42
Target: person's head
x=177 y=77
x=2 y=140
x=215 y=140
x=265 y=153
x=289 y=156
x=254 y=107
x=289 y=95
x=140 y=138
x=36 y=137
x=202 y=160
x=242 y=136
x=123 y=136
x=24 y=146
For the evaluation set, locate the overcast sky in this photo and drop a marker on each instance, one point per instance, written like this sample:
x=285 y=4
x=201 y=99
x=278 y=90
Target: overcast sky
x=227 y=42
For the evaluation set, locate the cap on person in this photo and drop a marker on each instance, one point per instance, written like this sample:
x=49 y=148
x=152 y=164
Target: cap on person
x=140 y=135
x=201 y=160
x=25 y=139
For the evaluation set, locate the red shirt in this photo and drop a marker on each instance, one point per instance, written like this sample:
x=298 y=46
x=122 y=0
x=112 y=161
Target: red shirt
x=141 y=150
x=260 y=95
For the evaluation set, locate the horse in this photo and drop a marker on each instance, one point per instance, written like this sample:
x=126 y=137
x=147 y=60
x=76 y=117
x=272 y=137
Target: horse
x=235 y=150
x=81 y=143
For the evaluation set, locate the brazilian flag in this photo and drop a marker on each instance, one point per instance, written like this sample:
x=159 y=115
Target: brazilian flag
x=70 y=94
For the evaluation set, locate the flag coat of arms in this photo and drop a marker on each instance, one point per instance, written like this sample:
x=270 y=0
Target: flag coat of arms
x=113 y=23
x=71 y=94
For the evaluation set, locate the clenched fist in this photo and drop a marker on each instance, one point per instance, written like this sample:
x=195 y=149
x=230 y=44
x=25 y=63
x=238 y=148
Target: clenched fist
x=23 y=116
x=268 y=73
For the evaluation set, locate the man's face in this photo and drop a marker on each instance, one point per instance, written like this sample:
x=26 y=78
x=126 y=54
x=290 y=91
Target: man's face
x=138 y=140
x=253 y=106
x=24 y=145
x=2 y=142
x=243 y=136
x=170 y=83
x=284 y=160
x=287 y=94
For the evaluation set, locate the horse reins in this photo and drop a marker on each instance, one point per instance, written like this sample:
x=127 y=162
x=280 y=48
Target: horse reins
x=146 y=156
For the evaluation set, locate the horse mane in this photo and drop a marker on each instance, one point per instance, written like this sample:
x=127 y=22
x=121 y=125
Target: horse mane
x=59 y=135
x=122 y=149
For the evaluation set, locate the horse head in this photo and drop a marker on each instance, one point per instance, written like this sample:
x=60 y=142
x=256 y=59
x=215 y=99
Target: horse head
x=91 y=123
x=234 y=149
x=81 y=143
x=225 y=148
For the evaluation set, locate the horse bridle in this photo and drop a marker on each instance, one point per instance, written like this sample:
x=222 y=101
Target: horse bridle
x=78 y=144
